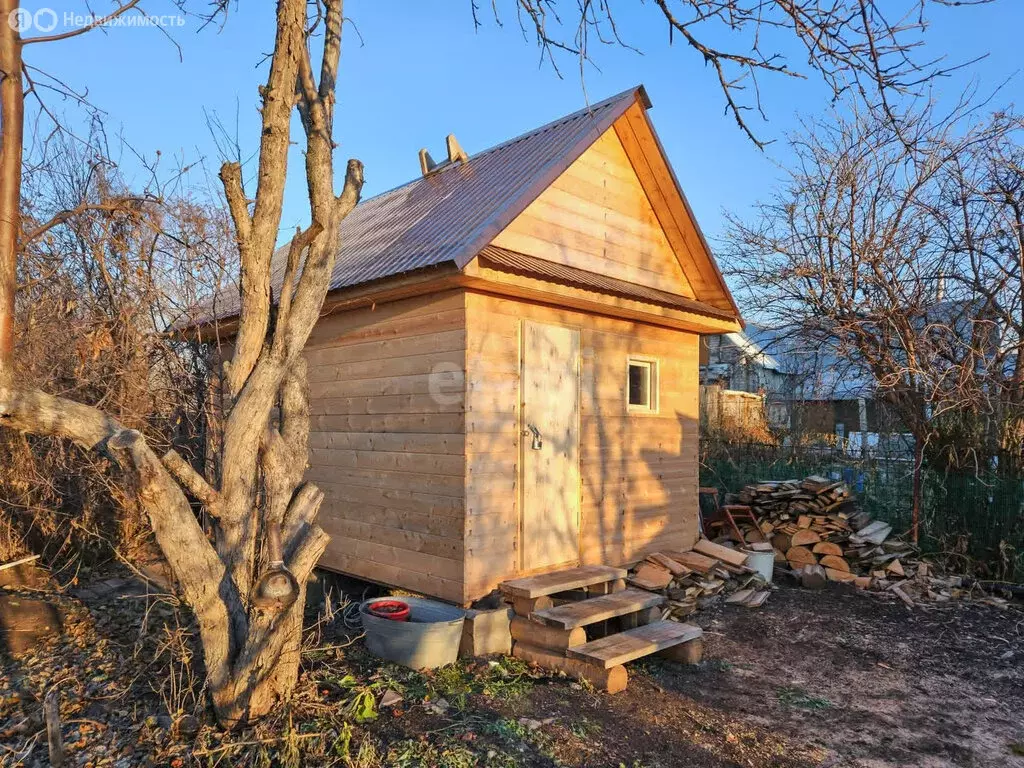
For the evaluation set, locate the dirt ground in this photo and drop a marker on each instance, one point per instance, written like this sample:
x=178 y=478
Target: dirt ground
x=833 y=679
x=875 y=683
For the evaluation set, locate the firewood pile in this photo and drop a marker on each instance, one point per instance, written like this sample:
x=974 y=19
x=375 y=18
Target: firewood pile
x=696 y=578
x=816 y=527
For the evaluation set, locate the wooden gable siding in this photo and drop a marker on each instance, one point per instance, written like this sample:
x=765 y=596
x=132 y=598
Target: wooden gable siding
x=596 y=216
x=387 y=442
x=638 y=472
x=673 y=213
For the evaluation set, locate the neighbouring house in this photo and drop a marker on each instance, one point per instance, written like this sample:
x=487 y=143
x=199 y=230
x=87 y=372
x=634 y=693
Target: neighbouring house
x=505 y=377
x=736 y=362
x=809 y=388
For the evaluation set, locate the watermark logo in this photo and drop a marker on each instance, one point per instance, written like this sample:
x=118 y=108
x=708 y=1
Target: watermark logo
x=446 y=383
x=46 y=20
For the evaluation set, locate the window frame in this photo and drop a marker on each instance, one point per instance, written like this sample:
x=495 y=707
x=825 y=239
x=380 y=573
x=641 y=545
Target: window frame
x=653 y=384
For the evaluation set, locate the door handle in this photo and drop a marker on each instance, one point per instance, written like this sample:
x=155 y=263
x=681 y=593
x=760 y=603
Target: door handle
x=536 y=443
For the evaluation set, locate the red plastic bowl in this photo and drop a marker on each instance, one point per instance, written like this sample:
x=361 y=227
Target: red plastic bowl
x=395 y=610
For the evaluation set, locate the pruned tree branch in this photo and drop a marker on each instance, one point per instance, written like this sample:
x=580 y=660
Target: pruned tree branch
x=195 y=483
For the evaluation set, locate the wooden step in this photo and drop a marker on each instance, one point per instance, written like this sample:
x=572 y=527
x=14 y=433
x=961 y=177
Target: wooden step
x=619 y=648
x=596 y=609
x=561 y=581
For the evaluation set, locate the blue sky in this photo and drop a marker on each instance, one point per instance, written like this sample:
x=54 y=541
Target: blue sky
x=422 y=71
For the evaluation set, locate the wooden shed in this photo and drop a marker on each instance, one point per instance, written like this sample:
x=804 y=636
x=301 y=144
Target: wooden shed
x=505 y=378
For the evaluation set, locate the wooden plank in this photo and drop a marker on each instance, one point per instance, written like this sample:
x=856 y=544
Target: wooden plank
x=694 y=560
x=726 y=554
x=624 y=647
x=392 y=574
x=453 y=444
x=561 y=581
x=597 y=609
x=651 y=577
x=740 y=596
x=674 y=567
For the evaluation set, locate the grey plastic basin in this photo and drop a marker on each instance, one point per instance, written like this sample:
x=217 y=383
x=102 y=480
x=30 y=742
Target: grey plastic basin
x=429 y=639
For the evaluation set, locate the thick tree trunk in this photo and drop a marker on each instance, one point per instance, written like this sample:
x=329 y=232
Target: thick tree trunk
x=12 y=118
x=247 y=587
x=252 y=657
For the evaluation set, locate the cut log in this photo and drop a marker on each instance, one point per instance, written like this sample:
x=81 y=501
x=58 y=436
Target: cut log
x=827 y=548
x=805 y=537
x=543 y=636
x=690 y=652
x=524 y=606
x=739 y=596
x=874 y=533
x=651 y=576
x=902 y=595
x=895 y=568
x=612 y=680
x=606 y=587
x=834 y=574
x=781 y=541
x=837 y=563
x=486 y=632
x=813 y=577
x=862 y=582
x=757 y=599
x=798 y=556
x=725 y=554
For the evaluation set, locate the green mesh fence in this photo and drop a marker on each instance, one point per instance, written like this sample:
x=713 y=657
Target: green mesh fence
x=976 y=517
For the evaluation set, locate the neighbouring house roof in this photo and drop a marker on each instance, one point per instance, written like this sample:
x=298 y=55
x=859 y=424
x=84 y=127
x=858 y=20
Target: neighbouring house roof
x=450 y=215
x=752 y=351
x=821 y=372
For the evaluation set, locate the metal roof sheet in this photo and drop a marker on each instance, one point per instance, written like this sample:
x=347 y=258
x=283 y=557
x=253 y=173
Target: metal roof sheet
x=580 y=278
x=449 y=215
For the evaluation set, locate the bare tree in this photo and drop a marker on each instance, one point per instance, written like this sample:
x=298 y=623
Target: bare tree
x=246 y=587
x=900 y=251
x=865 y=47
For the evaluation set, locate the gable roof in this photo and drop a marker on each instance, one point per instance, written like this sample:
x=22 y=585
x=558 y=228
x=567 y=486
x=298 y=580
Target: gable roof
x=449 y=216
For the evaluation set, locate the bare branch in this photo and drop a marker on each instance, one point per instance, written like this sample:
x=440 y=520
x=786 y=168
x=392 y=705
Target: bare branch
x=87 y=28
x=192 y=480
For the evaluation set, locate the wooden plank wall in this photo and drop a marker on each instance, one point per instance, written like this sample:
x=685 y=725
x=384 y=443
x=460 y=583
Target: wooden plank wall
x=639 y=471
x=596 y=216
x=387 y=446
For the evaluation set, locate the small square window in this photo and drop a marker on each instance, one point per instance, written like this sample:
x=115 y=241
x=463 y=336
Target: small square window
x=642 y=386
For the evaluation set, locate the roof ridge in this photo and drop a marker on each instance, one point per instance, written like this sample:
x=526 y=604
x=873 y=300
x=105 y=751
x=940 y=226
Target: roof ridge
x=585 y=111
